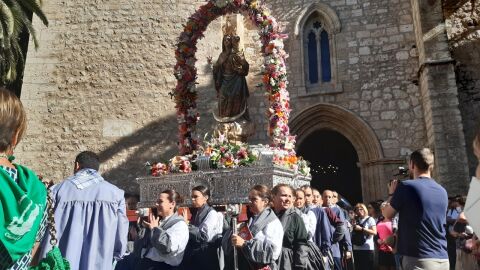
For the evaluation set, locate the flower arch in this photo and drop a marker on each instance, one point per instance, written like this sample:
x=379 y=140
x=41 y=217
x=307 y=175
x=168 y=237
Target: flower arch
x=274 y=71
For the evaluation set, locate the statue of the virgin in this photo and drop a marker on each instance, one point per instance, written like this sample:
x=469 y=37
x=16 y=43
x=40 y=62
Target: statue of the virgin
x=229 y=74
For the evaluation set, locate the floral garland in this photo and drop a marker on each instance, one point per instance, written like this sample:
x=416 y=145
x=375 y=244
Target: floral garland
x=288 y=159
x=222 y=154
x=274 y=71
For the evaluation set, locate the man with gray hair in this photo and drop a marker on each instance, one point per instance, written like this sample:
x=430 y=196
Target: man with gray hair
x=421 y=204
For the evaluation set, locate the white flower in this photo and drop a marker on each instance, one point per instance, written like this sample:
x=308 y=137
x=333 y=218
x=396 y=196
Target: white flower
x=272 y=82
x=278 y=43
x=221 y=138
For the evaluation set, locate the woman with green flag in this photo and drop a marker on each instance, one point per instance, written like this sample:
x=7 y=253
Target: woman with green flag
x=22 y=195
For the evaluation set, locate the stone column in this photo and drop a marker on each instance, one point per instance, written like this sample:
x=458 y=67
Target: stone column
x=439 y=97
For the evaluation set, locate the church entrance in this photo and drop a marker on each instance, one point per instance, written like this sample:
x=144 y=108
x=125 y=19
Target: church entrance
x=328 y=134
x=333 y=163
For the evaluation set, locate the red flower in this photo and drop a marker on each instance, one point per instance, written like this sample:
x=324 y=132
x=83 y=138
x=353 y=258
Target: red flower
x=266 y=78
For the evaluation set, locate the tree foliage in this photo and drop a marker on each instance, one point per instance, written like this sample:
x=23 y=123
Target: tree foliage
x=14 y=19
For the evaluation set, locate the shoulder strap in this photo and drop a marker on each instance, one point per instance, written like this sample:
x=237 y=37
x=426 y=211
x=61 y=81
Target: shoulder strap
x=262 y=221
x=200 y=218
x=365 y=221
x=172 y=221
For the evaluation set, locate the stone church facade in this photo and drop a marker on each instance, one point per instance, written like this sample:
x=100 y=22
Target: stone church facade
x=401 y=75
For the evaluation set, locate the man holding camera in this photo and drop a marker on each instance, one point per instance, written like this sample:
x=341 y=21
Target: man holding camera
x=90 y=217
x=421 y=204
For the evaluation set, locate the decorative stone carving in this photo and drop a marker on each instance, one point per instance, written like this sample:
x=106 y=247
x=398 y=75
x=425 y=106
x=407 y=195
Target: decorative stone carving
x=227 y=186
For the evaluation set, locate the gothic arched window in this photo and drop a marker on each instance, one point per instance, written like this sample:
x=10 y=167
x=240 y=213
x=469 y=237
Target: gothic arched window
x=317 y=52
x=316 y=28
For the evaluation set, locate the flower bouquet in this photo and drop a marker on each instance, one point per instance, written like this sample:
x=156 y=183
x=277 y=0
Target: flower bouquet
x=157 y=168
x=224 y=154
x=181 y=164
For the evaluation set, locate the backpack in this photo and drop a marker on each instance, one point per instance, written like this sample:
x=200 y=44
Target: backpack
x=359 y=238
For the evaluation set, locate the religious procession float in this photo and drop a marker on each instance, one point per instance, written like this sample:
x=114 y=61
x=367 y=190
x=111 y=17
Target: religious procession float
x=225 y=163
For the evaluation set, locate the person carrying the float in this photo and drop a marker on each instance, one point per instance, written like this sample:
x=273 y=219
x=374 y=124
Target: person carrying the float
x=263 y=235
x=307 y=215
x=297 y=252
x=205 y=231
x=163 y=243
x=317 y=221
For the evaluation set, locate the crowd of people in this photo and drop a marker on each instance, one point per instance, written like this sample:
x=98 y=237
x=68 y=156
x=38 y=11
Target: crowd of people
x=417 y=227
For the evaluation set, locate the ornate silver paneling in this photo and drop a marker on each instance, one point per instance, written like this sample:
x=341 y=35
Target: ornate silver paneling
x=227 y=186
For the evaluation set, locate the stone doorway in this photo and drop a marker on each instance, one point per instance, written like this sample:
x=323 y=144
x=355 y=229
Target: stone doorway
x=334 y=163
x=371 y=162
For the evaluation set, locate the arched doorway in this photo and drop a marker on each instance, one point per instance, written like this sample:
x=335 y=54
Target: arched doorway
x=324 y=116
x=334 y=163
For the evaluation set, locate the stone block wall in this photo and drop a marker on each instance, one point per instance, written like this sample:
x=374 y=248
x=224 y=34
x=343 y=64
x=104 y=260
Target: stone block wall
x=464 y=38
x=101 y=81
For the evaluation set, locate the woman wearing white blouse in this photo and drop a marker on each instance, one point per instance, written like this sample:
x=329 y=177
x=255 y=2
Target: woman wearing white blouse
x=205 y=231
x=363 y=254
x=166 y=236
x=265 y=246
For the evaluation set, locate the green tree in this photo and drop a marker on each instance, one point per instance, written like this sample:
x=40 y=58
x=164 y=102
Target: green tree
x=15 y=17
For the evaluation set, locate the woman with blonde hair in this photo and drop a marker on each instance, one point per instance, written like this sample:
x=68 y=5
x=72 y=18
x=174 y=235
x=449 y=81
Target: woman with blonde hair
x=362 y=238
x=22 y=196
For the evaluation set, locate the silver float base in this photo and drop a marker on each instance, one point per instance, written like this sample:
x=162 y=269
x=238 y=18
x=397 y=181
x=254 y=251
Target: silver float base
x=227 y=186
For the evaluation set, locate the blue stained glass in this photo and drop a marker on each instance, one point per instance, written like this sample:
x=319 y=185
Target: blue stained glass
x=325 y=53
x=312 y=59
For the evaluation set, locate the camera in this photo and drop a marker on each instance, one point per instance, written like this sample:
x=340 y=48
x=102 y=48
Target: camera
x=402 y=171
x=144 y=213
